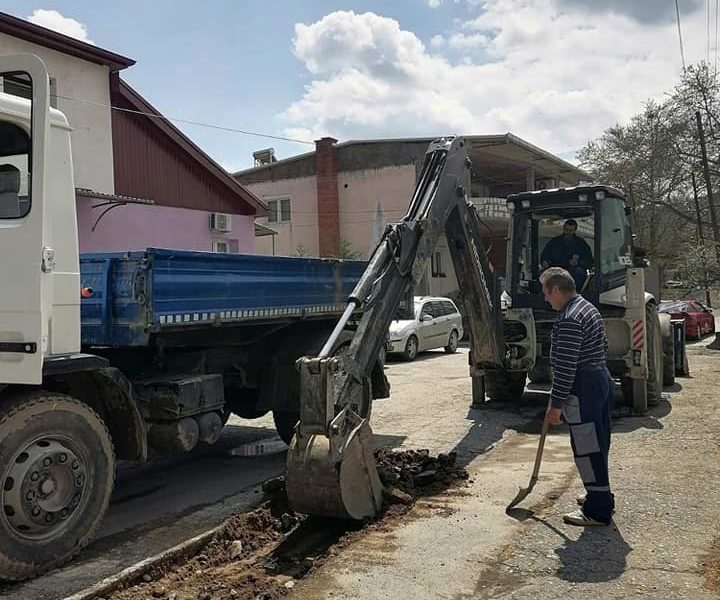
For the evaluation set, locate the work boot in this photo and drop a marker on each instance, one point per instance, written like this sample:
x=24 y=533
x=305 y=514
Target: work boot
x=580 y=519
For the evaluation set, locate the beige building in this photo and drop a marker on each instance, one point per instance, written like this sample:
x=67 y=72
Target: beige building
x=338 y=199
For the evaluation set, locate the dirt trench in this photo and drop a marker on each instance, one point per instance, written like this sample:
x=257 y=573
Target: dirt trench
x=261 y=554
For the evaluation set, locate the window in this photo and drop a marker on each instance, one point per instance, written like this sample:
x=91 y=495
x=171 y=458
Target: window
x=222 y=246
x=14 y=171
x=19 y=85
x=436 y=265
x=615 y=241
x=450 y=308
x=279 y=210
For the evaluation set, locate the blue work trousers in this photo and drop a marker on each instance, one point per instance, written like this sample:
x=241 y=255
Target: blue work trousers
x=587 y=412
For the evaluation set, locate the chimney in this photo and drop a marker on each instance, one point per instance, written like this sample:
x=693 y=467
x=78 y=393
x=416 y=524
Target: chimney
x=328 y=203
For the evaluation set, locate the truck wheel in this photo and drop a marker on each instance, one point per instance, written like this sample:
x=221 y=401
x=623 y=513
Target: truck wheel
x=285 y=422
x=540 y=375
x=505 y=386
x=452 y=345
x=57 y=467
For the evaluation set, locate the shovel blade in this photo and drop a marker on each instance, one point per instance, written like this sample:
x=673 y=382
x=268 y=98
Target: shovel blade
x=521 y=495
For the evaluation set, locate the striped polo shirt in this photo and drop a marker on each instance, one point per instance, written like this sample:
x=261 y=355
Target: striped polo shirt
x=578 y=340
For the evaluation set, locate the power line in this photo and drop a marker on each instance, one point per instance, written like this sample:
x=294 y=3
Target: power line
x=186 y=121
x=682 y=50
x=707 y=37
x=717 y=3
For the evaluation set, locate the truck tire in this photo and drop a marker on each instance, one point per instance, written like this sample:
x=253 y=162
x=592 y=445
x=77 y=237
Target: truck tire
x=285 y=422
x=503 y=386
x=57 y=468
x=654 y=383
x=540 y=374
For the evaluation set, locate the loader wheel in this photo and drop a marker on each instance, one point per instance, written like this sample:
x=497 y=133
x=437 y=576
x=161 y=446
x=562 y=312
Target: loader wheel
x=654 y=383
x=57 y=467
x=504 y=386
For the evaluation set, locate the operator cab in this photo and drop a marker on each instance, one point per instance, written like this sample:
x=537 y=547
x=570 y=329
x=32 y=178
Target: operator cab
x=537 y=217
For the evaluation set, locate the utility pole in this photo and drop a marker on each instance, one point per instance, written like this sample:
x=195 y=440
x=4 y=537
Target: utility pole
x=715 y=345
x=708 y=185
x=708 y=300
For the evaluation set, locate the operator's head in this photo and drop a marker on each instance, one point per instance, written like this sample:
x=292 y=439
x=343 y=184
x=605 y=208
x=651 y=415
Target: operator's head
x=569 y=228
x=558 y=287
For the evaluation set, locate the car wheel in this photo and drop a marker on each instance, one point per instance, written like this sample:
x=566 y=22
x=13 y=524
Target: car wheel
x=411 y=348
x=452 y=345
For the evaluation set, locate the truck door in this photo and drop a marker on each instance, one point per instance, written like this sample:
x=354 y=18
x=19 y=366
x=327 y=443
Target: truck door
x=25 y=261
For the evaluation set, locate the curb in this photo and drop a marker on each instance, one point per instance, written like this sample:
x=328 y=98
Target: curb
x=134 y=573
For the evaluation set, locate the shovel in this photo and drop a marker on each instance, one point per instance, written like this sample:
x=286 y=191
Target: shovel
x=524 y=492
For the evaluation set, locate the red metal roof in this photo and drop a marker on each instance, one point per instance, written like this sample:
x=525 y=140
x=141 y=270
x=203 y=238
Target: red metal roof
x=154 y=159
x=42 y=36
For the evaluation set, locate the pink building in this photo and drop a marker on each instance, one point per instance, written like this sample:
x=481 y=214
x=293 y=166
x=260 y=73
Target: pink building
x=140 y=181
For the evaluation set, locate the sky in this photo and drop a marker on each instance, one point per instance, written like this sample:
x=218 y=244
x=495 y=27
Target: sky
x=556 y=73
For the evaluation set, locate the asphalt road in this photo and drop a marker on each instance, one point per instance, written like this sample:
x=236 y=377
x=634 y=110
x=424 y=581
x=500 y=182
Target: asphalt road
x=158 y=504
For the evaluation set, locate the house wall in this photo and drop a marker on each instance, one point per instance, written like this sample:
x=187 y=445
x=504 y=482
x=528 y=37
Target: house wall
x=136 y=227
x=88 y=114
x=369 y=200
x=302 y=230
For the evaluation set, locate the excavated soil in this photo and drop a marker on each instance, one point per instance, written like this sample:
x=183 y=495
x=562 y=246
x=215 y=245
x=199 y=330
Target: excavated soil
x=259 y=555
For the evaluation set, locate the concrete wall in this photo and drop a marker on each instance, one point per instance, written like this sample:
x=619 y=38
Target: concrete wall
x=92 y=133
x=302 y=230
x=369 y=200
x=136 y=227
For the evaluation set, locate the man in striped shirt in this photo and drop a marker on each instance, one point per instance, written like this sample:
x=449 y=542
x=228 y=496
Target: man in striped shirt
x=582 y=392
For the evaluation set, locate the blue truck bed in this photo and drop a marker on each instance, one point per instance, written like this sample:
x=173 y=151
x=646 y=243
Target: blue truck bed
x=130 y=296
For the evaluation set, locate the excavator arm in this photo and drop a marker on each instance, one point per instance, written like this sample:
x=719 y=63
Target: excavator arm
x=330 y=467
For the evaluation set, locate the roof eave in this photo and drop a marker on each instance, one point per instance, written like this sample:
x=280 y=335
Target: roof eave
x=42 y=36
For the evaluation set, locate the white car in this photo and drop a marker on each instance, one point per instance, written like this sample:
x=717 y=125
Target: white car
x=436 y=323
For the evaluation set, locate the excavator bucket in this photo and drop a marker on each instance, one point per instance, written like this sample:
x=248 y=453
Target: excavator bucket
x=334 y=476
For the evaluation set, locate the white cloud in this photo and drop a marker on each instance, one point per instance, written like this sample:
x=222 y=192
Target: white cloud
x=434 y=3
x=461 y=41
x=437 y=41
x=52 y=19
x=554 y=76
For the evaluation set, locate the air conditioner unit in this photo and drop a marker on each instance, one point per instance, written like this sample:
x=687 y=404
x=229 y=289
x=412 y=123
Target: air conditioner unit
x=220 y=222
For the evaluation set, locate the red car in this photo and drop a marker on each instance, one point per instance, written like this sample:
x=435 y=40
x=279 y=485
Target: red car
x=699 y=320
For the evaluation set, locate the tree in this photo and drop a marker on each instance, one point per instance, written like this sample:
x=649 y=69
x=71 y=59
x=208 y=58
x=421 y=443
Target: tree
x=642 y=158
x=699 y=266
x=345 y=251
x=656 y=159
